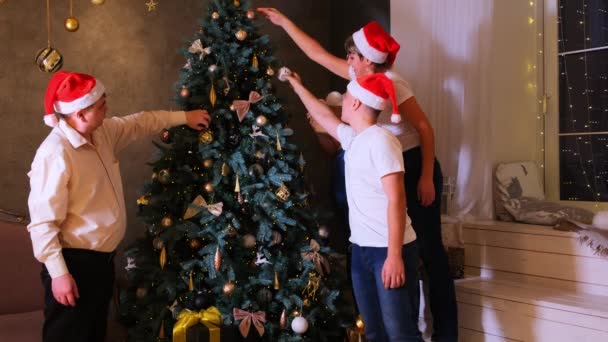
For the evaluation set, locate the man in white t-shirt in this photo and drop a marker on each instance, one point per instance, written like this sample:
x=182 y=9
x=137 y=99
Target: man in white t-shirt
x=384 y=250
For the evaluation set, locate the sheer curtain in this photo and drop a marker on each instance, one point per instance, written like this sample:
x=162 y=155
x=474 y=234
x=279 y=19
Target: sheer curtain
x=446 y=56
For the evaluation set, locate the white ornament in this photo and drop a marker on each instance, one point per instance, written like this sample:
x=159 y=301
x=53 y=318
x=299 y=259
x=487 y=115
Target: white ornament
x=284 y=71
x=299 y=325
x=130 y=264
x=212 y=68
x=600 y=220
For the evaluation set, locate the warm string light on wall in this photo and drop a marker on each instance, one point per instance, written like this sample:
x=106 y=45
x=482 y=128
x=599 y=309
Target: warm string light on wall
x=536 y=74
x=591 y=178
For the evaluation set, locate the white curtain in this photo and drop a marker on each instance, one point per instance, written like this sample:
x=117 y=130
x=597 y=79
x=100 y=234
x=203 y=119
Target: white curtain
x=446 y=56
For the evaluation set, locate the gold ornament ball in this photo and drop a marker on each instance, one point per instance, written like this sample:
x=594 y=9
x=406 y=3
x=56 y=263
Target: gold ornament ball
x=269 y=71
x=306 y=302
x=208 y=163
x=251 y=14
x=71 y=24
x=228 y=288
x=359 y=323
x=205 y=137
x=215 y=16
x=185 y=92
x=158 y=243
x=49 y=60
x=98 y=2
x=237 y=3
x=194 y=243
x=261 y=120
x=166 y=221
x=208 y=187
x=249 y=241
x=241 y=35
x=164 y=176
x=141 y=292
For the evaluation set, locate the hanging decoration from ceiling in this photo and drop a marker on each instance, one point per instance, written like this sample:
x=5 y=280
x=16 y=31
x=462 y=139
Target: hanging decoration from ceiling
x=151 y=5
x=71 y=24
x=49 y=59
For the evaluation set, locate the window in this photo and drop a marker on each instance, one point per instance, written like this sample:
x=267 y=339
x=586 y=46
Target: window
x=583 y=100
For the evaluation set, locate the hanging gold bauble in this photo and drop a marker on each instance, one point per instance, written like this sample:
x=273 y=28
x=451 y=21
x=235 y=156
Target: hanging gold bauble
x=237 y=3
x=194 y=243
x=71 y=24
x=277 y=285
x=190 y=283
x=251 y=14
x=161 y=332
x=205 y=137
x=162 y=258
x=225 y=170
x=208 y=187
x=215 y=16
x=249 y=241
x=166 y=221
x=269 y=71
x=279 y=148
x=254 y=62
x=98 y=2
x=261 y=120
x=212 y=95
x=359 y=323
x=184 y=93
x=217 y=260
x=240 y=35
x=228 y=288
x=208 y=163
x=164 y=176
x=49 y=60
x=283 y=320
x=143 y=200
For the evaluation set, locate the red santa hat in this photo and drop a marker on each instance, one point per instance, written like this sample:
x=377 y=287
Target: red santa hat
x=375 y=44
x=375 y=91
x=69 y=92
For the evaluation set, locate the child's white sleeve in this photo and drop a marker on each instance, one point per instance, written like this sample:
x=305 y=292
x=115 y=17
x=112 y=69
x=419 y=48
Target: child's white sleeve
x=387 y=156
x=346 y=134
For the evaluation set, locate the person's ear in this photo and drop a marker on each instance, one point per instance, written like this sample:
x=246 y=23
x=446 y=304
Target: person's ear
x=356 y=104
x=80 y=115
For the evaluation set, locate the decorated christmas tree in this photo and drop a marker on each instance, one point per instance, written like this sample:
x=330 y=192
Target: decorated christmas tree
x=229 y=226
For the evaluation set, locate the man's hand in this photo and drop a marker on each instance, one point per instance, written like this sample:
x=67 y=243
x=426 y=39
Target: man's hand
x=293 y=78
x=273 y=15
x=393 y=272
x=65 y=290
x=426 y=191
x=198 y=119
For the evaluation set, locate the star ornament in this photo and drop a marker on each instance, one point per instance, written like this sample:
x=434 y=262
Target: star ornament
x=151 y=5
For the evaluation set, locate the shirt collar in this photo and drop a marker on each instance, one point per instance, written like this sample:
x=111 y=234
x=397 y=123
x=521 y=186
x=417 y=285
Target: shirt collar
x=75 y=138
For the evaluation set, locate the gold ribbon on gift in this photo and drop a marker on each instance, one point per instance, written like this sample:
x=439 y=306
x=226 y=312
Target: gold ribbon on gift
x=321 y=264
x=211 y=318
x=242 y=106
x=199 y=204
x=257 y=318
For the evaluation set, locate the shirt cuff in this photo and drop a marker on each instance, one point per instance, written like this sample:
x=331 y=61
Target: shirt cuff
x=177 y=118
x=56 y=266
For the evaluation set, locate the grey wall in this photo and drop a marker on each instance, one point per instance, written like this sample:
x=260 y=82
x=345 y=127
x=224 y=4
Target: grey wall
x=134 y=53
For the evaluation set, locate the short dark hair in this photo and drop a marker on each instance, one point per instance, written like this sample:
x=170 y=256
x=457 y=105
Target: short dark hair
x=350 y=47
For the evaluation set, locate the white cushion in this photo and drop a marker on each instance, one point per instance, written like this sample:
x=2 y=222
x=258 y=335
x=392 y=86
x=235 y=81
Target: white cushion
x=522 y=179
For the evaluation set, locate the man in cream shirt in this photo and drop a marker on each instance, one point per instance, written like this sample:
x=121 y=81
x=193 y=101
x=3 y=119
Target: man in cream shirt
x=76 y=202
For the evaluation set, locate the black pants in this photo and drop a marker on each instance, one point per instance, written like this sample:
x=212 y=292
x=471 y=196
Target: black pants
x=426 y=221
x=87 y=321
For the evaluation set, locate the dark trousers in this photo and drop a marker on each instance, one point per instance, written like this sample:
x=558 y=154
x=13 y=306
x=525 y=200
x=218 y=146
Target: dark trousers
x=389 y=314
x=426 y=221
x=87 y=321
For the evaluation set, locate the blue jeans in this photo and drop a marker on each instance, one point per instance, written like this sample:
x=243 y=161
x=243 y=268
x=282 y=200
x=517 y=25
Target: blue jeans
x=389 y=314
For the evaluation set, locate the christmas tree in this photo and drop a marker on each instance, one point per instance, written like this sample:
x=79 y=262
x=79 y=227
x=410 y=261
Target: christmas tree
x=227 y=210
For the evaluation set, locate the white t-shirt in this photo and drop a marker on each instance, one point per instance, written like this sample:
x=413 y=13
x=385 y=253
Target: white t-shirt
x=405 y=133
x=368 y=157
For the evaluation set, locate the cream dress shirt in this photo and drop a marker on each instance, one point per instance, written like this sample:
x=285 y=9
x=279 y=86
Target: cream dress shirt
x=76 y=198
